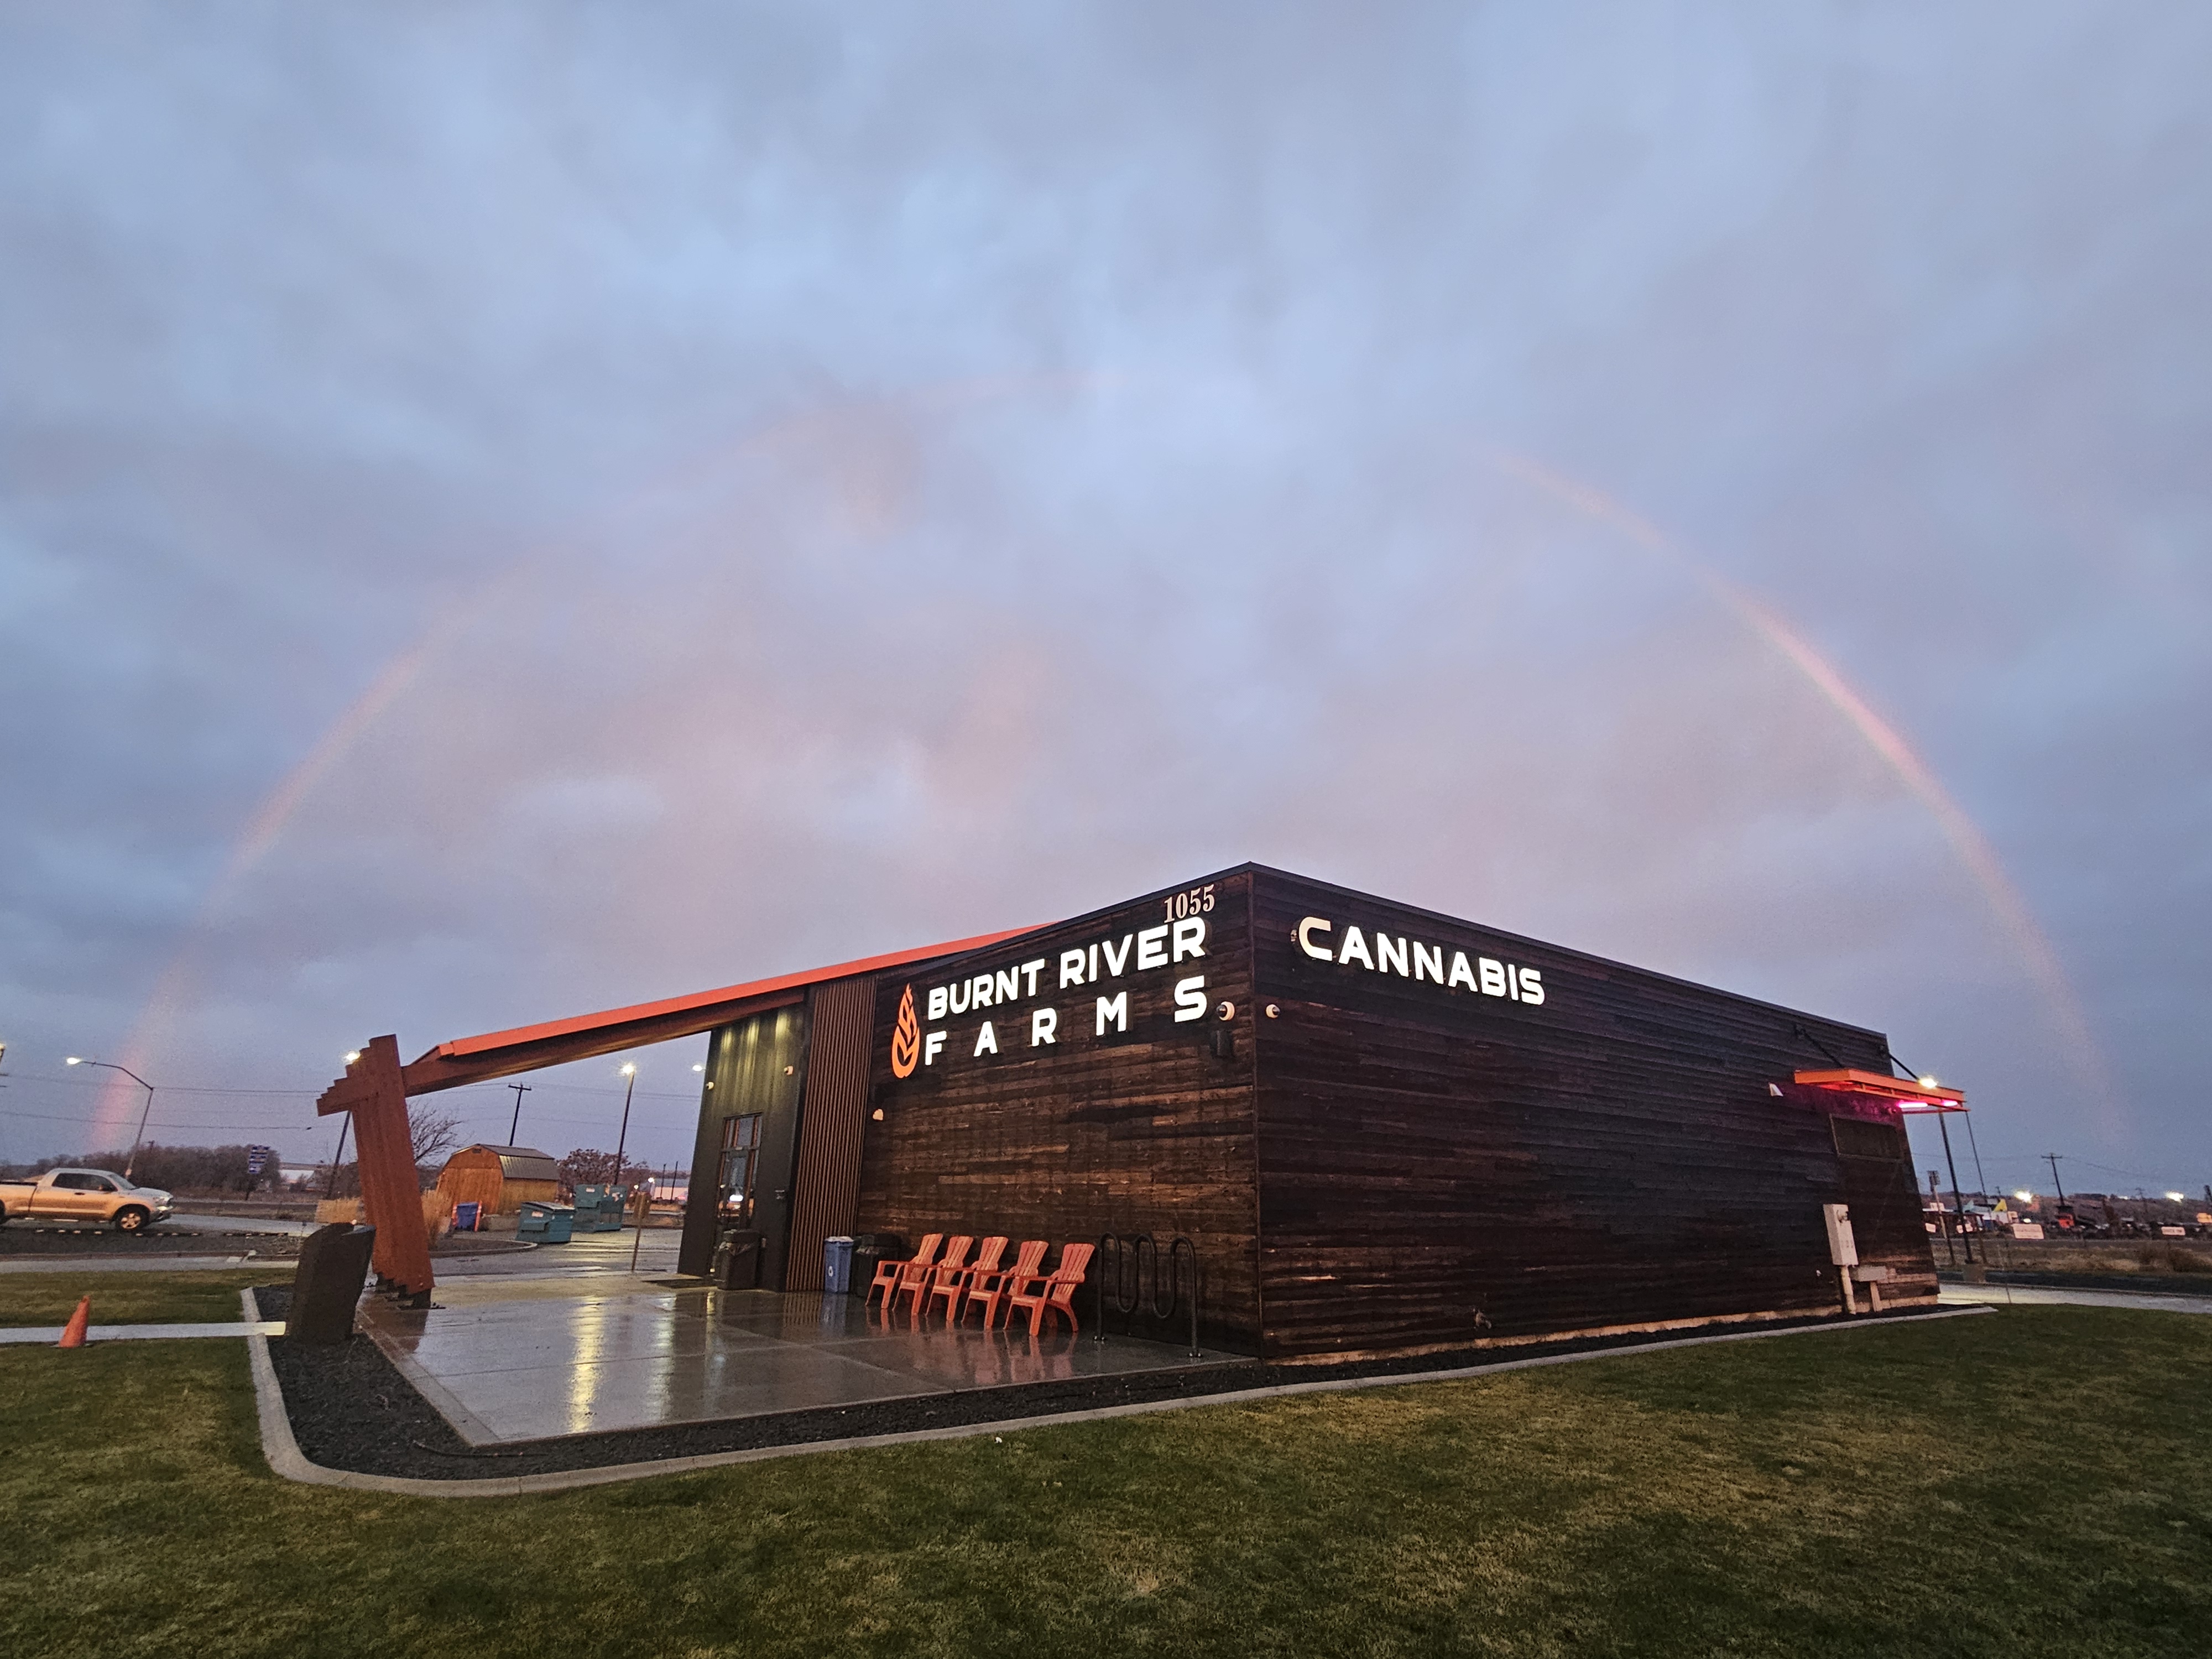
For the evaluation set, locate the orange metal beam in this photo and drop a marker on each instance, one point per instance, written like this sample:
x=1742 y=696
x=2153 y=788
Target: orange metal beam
x=530 y=1048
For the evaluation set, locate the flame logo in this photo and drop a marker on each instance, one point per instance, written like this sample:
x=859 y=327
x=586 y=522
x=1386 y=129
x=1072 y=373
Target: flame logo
x=906 y=1038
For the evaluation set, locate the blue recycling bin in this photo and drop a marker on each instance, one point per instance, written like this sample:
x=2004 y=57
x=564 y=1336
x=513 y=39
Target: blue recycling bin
x=837 y=1265
x=465 y=1216
x=549 y=1223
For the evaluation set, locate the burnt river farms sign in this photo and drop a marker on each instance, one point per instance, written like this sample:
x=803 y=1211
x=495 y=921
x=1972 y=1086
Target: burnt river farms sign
x=1023 y=1005
x=1115 y=987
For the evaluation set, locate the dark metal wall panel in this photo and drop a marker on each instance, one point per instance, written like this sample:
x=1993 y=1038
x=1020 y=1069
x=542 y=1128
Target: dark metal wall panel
x=1440 y=1166
x=756 y=1065
x=826 y=1187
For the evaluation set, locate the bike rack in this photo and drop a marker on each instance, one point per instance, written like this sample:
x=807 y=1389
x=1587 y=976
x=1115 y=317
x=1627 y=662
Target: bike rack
x=1134 y=1291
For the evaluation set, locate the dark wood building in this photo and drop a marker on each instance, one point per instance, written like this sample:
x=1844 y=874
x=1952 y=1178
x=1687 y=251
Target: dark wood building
x=1383 y=1129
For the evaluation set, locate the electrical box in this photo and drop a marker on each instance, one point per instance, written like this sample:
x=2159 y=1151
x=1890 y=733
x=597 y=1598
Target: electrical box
x=1843 y=1248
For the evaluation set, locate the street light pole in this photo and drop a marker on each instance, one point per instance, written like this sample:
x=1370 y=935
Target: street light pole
x=130 y=1163
x=622 y=1139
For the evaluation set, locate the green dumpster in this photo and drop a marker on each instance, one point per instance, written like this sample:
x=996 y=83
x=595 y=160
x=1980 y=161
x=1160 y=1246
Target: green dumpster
x=549 y=1223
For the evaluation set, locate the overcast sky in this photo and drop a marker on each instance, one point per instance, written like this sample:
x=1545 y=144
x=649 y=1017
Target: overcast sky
x=510 y=511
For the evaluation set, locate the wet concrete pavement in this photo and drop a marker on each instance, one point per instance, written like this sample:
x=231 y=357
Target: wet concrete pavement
x=516 y=1355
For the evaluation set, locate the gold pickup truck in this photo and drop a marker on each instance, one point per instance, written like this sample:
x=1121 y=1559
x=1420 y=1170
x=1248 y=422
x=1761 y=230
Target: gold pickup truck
x=85 y=1195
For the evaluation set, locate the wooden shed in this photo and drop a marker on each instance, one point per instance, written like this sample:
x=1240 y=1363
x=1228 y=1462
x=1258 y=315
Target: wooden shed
x=501 y=1178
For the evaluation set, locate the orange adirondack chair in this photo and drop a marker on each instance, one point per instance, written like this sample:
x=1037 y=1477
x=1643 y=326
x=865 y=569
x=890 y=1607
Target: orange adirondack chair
x=951 y=1281
x=1054 y=1294
x=888 y=1273
x=915 y=1285
x=991 y=1288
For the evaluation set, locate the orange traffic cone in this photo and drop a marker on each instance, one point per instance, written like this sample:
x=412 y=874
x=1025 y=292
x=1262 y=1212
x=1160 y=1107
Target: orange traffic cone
x=73 y=1332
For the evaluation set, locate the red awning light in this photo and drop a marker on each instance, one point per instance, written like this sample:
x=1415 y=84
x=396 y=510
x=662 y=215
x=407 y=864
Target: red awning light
x=1906 y=1094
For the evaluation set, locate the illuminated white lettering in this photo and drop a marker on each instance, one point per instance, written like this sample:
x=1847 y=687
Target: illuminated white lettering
x=938 y=1000
x=1117 y=1009
x=1190 y=999
x=1094 y=964
x=1532 y=986
x=1153 y=947
x=1428 y=963
x=1009 y=983
x=930 y=1045
x=1189 y=938
x=979 y=991
x=1070 y=968
x=987 y=1040
x=1303 y=933
x=1461 y=973
x=1512 y=982
x=1493 y=976
x=1114 y=963
x=1389 y=953
x=1044 y=1024
x=1029 y=972
x=958 y=1003
x=1354 y=945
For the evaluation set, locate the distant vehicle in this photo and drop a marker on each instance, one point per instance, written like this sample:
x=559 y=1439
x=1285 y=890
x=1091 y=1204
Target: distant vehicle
x=95 y=1195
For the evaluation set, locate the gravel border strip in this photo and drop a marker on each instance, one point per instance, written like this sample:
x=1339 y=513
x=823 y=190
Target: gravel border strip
x=286 y=1459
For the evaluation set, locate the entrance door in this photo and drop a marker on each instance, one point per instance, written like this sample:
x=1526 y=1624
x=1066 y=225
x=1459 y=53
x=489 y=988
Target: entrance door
x=735 y=1186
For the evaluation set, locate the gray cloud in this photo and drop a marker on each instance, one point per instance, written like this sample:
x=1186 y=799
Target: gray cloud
x=791 y=489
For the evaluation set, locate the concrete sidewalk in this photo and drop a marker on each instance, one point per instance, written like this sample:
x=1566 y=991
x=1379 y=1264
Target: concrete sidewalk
x=51 y=1335
x=2032 y=1296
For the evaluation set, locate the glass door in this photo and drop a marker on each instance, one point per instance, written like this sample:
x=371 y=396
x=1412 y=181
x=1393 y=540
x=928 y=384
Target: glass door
x=741 y=1141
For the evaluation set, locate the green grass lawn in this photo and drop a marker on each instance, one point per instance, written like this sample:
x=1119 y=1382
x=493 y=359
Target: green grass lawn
x=2038 y=1481
x=127 y=1298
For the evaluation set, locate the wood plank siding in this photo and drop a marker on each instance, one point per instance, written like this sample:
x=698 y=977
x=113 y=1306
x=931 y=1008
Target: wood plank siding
x=826 y=1189
x=1142 y=1130
x=1438 y=1165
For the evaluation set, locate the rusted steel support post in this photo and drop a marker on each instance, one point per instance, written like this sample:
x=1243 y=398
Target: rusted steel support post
x=375 y=1093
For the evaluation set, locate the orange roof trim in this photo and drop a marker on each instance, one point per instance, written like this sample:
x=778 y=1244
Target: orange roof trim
x=461 y=1047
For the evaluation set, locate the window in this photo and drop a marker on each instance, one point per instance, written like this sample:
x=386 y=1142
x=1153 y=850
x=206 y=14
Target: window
x=740 y=1155
x=1859 y=1137
x=76 y=1183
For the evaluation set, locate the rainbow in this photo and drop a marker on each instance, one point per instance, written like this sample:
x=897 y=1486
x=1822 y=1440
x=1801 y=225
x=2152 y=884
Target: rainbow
x=172 y=990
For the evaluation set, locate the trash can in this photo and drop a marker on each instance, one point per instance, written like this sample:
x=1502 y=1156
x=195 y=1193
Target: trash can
x=466 y=1217
x=837 y=1265
x=549 y=1223
x=327 y=1284
x=869 y=1251
x=738 y=1260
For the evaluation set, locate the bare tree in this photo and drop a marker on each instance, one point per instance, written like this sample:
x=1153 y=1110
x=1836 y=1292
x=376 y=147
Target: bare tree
x=431 y=1135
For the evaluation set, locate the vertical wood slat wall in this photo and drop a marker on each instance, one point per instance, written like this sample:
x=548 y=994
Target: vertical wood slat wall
x=1440 y=1167
x=1146 y=1132
x=828 y=1180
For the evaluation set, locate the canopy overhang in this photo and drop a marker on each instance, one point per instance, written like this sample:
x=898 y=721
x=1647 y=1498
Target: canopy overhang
x=1903 y=1093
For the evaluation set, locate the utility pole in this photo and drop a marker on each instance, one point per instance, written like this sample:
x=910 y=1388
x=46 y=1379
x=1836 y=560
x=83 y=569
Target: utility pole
x=1950 y=1241
x=2051 y=1158
x=345 y=1122
x=520 y=1089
